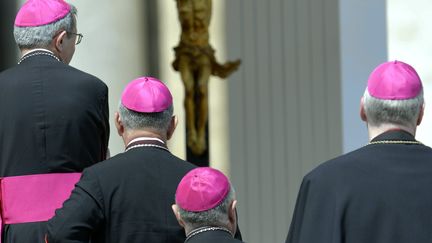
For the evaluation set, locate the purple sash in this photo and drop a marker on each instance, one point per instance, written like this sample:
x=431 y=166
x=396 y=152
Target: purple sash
x=34 y=198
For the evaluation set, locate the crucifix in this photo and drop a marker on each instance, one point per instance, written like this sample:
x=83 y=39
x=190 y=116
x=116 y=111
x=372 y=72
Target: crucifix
x=196 y=62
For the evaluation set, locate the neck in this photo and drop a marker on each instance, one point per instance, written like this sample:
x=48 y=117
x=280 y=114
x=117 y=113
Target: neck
x=377 y=130
x=192 y=232
x=131 y=135
x=27 y=51
x=188 y=229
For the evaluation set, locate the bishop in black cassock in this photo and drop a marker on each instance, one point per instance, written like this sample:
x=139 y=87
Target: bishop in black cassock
x=54 y=118
x=128 y=197
x=206 y=207
x=379 y=193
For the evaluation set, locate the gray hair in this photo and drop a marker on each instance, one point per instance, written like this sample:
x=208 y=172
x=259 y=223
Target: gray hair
x=41 y=36
x=217 y=216
x=398 y=112
x=133 y=120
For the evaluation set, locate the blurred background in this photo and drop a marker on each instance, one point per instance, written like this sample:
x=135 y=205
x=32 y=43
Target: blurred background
x=293 y=103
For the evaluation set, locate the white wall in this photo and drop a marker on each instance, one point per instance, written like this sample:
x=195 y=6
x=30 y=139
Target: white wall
x=409 y=40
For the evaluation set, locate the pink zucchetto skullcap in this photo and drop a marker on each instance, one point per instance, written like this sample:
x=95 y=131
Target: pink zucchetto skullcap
x=41 y=12
x=146 y=94
x=394 y=81
x=202 y=189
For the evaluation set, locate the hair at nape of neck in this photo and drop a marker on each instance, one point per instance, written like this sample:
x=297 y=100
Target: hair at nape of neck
x=132 y=120
x=404 y=112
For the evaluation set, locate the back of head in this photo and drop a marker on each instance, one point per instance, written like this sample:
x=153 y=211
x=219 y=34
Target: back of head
x=38 y=22
x=146 y=103
x=394 y=95
x=203 y=197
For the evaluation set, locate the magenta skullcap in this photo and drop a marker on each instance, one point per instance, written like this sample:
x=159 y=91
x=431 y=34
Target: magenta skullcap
x=202 y=189
x=41 y=12
x=146 y=94
x=394 y=81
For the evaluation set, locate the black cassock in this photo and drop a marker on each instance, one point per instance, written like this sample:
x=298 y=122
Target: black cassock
x=126 y=198
x=54 y=118
x=380 y=193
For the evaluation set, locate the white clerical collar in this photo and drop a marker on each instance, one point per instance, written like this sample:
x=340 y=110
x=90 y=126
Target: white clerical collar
x=144 y=139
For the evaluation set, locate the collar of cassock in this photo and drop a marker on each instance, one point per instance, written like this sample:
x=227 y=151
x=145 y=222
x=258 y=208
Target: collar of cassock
x=146 y=142
x=395 y=136
x=38 y=52
x=207 y=229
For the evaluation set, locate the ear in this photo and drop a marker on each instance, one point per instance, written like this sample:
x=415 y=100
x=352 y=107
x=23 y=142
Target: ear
x=176 y=212
x=232 y=215
x=421 y=113
x=59 y=40
x=362 y=111
x=119 y=124
x=172 y=127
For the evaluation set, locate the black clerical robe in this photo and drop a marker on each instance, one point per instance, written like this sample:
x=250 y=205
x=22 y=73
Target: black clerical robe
x=54 y=118
x=380 y=193
x=126 y=198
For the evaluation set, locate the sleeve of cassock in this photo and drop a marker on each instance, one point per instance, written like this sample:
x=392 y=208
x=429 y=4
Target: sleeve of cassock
x=317 y=216
x=80 y=215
